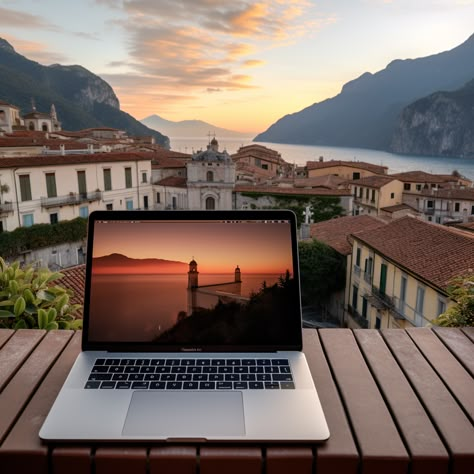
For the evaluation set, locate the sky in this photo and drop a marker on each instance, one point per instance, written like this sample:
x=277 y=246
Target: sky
x=237 y=64
x=255 y=248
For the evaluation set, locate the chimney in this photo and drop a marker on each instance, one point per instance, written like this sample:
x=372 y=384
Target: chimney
x=321 y=159
x=62 y=149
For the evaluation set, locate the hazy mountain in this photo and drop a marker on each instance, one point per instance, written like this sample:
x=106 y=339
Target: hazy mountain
x=189 y=128
x=366 y=111
x=440 y=124
x=118 y=263
x=81 y=98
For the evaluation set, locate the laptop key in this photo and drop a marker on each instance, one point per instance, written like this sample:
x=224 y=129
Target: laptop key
x=142 y=362
x=287 y=385
x=264 y=377
x=118 y=377
x=168 y=377
x=233 y=362
x=151 y=377
x=112 y=362
x=263 y=362
x=135 y=377
x=216 y=377
x=241 y=386
x=247 y=377
x=117 y=369
x=132 y=369
x=91 y=384
x=100 y=377
x=100 y=369
x=224 y=385
x=285 y=369
x=203 y=362
x=190 y=385
x=280 y=362
x=256 y=385
x=140 y=385
x=127 y=362
x=184 y=377
x=249 y=362
x=218 y=362
x=272 y=385
x=173 y=362
x=157 y=385
x=232 y=378
x=174 y=385
x=99 y=362
x=207 y=385
x=123 y=385
x=107 y=385
x=199 y=377
x=282 y=378
x=188 y=362
x=157 y=362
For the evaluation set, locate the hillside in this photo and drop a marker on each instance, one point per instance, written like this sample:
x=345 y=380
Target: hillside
x=366 y=111
x=189 y=128
x=441 y=124
x=82 y=99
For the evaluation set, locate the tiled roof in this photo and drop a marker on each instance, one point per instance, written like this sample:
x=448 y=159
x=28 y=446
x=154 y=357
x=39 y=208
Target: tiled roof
x=329 y=181
x=176 y=181
x=74 y=279
x=313 y=165
x=2 y=102
x=335 y=232
x=376 y=181
x=58 y=160
x=423 y=177
x=398 y=207
x=466 y=194
x=292 y=191
x=433 y=252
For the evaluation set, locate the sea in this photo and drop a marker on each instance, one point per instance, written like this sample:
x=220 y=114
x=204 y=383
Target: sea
x=301 y=154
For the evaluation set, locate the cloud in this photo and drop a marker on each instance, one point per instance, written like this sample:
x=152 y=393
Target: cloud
x=35 y=50
x=13 y=18
x=253 y=63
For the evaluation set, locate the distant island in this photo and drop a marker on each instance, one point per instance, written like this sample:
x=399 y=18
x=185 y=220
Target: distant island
x=118 y=263
x=189 y=128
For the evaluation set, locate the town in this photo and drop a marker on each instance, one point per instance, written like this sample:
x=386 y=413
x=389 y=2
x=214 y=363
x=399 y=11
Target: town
x=403 y=237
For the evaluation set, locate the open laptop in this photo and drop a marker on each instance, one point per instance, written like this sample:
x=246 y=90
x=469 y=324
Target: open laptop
x=192 y=332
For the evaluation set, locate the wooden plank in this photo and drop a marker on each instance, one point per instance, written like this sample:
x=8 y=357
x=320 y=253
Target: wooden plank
x=379 y=443
x=339 y=453
x=15 y=352
x=117 y=460
x=23 y=384
x=22 y=450
x=459 y=344
x=71 y=460
x=5 y=334
x=469 y=332
x=282 y=460
x=173 y=460
x=453 y=425
x=454 y=375
x=427 y=452
x=230 y=460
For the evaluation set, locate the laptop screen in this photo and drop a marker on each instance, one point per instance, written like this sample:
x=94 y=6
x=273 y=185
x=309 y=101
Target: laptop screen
x=192 y=280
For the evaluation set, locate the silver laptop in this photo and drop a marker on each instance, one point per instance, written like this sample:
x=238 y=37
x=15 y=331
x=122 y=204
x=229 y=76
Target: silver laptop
x=192 y=332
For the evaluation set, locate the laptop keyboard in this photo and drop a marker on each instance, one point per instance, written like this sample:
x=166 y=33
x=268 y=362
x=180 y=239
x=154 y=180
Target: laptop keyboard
x=190 y=374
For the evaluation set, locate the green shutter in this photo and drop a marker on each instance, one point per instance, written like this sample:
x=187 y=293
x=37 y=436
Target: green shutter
x=51 y=185
x=383 y=278
x=25 y=187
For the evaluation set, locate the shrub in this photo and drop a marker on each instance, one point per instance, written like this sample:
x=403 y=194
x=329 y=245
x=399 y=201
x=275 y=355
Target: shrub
x=30 y=299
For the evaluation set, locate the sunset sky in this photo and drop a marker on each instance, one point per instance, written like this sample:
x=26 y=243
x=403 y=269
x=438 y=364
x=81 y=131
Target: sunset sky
x=238 y=64
x=256 y=248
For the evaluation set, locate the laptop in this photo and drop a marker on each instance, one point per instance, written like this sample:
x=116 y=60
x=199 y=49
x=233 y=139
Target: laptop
x=192 y=333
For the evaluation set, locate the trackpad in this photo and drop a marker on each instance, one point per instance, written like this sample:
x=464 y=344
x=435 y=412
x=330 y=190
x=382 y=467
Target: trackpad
x=185 y=415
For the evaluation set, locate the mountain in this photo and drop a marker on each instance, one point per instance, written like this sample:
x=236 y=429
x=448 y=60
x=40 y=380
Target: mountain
x=82 y=99
x=366 y=111
x=438 y=125
x=118 y=263
x=189 y=128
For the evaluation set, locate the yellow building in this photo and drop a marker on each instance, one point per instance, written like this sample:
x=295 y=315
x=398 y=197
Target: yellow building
x=344 y=169
x=401 y=271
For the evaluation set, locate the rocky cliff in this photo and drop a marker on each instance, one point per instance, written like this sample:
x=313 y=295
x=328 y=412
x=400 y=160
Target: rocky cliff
x=441 y=124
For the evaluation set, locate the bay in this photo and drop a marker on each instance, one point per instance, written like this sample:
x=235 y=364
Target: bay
x=301 y=154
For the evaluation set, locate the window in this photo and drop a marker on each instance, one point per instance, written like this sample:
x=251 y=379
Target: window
x=355 y=296
x=258 y=162
x=403 y=288
x=457 y=206
x=364 y=307
x=158 y=198
x=383 y=278
x=107 y=179
x=441 y=306
x=210 y=203
x=367 y=193
x=360 y=192
x=373 y=195
x=378 y=322
x=128 y=177
x=145 y=202
x=81 y=183
x=44 y=127
x=174 y=202
x=109 y=207
x=210 y=176
x=53 y=218
x=358 y=256
x=129 y=204
x=355 y=175
x=420 y=299
x=25 y=187
x=144 y=177
x=429 y=204
x=407 y=186
x=392 y=195
x=264 y=167
x=418 y=187
x=51 y=185
x=84 y=211
x=28 y=220
x=472 y=210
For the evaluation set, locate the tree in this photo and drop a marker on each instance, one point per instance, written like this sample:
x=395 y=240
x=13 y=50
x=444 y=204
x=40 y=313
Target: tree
x=322 y=271
x=461 y=290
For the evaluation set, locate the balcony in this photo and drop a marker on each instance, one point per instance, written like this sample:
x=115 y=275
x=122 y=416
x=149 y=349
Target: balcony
x=388 y=302
x=357 y=317
x=71 y=199
x=6 y=208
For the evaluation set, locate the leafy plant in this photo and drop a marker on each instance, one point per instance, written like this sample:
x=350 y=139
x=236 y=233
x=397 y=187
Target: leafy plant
x=461 y=290
x=30 y=299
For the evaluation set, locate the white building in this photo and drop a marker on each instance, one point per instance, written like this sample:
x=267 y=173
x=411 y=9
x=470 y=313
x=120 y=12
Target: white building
x=9 y=117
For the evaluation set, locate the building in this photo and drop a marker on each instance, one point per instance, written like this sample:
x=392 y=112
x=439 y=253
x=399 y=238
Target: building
x=50 y=188
x=373 y=193
x=336 y=233
x=40 y=121
x=349 y=170
x=415 y=182
x=10 y=118
x=401 y=271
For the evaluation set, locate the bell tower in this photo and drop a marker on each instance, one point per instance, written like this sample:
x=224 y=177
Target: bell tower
x=193 y=274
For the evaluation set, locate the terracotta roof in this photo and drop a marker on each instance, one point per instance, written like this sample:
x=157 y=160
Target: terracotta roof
x=37 y=115
x=376 y=181
x=176 y=181
x=58 y=160
x=335 y=232
x=291 y=191
x=433 y=252
x=465 y=226
x=313 y=165
x=466 y=194
x=2 y=102
x=423 y=177
x=399 y=207
x=159 y=162
x=74 y=279
x=329 y=181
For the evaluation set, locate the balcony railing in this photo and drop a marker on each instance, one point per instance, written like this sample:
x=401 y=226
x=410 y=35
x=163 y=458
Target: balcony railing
x=6 y=208
x=356 y=270
x=382 y=297
x=357 y=317
x=72 y=199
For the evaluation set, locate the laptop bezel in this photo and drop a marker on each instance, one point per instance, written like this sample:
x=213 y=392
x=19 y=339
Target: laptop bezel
x=125 y=346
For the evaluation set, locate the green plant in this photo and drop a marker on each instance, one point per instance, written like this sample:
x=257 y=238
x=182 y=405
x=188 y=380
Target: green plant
x=30 y=299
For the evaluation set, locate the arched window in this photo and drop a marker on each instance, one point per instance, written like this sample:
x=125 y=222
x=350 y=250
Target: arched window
x=31 y=126
x=210 y=203
x=210 y=176
x=44 y=127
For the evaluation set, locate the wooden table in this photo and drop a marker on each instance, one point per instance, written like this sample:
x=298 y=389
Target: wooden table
x=396 y=401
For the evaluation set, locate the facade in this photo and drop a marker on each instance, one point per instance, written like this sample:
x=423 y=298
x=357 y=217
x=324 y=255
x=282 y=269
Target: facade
x=47 y=189
x=416 y=182
x=349 y=170
x=401 y=271
x=39 y=121
x=373 y=193
x=9 y=117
